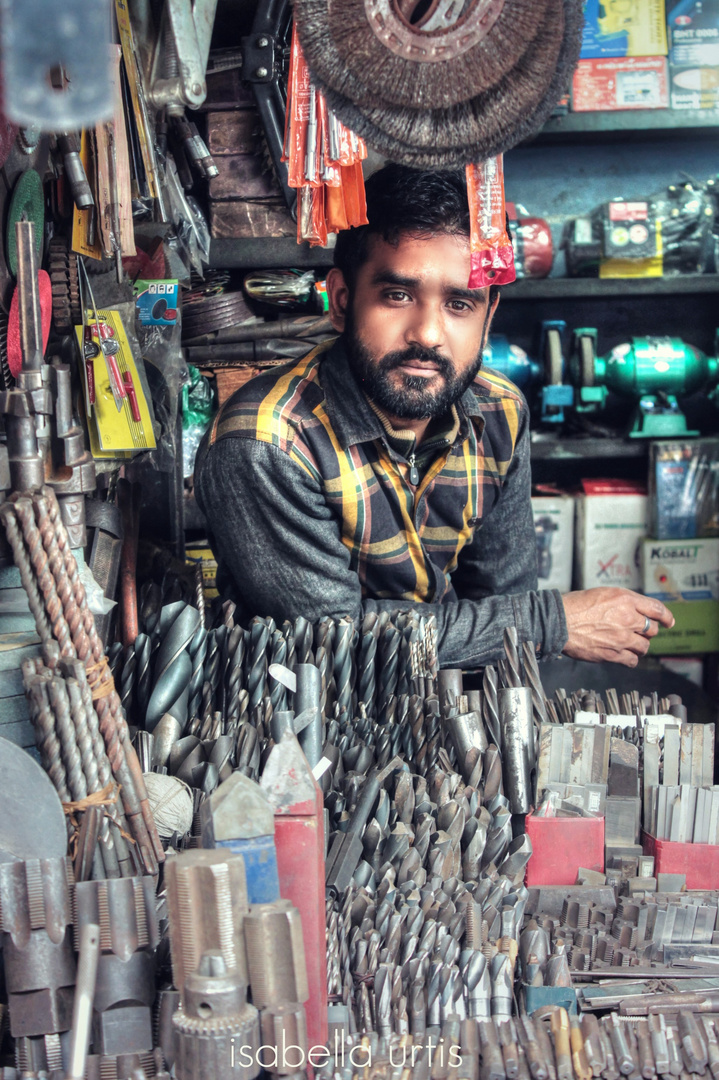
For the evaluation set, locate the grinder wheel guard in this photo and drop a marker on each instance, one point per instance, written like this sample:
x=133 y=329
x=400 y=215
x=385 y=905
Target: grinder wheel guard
x=439 y=83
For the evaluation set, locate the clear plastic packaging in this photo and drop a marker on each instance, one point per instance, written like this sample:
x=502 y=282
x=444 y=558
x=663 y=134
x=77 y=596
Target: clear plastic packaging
x=197 y=412
x=684 y=489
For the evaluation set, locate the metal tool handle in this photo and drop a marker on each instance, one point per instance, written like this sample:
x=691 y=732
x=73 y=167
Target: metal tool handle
x=84 y=995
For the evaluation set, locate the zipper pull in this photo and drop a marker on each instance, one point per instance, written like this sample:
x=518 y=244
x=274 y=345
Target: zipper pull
x=413 y=470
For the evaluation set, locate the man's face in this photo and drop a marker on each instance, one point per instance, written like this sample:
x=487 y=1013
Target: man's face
x=414 y=331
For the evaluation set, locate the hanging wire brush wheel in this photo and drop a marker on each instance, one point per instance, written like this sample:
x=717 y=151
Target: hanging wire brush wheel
x=488 y=121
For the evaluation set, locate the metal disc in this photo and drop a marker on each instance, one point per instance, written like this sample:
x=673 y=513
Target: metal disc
x=32 y=822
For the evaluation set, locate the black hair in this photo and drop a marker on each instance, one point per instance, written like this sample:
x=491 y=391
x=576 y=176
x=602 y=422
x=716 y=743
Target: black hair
x=401 y=201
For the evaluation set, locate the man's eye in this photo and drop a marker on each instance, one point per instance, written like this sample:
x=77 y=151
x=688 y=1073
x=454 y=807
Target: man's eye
x=460 y=305
x=397 y=295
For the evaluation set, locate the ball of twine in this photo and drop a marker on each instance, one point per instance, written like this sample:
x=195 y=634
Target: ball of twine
x=171 y=803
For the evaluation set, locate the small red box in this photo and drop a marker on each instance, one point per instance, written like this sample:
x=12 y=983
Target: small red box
x=700 y=862
x=622 y=82
x=560 y=845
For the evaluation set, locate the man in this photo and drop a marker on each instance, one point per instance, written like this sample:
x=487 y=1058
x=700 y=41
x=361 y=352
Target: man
x=389 y=470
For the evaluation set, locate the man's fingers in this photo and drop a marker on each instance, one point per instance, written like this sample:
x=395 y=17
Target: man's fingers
x=654 y=610
x=629 y=659
x=651 y=631
x=640 y=645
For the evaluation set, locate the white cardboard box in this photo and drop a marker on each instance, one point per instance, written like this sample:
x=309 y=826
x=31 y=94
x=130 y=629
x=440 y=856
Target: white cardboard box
x=610 y=524
x=681 y=569
x=554 y=529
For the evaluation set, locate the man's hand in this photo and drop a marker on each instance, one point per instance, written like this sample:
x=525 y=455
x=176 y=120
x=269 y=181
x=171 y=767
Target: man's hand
x=611 y=624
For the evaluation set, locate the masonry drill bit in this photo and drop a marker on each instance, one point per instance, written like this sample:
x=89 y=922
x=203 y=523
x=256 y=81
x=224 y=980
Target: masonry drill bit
x=43 y=721
x=28 y=580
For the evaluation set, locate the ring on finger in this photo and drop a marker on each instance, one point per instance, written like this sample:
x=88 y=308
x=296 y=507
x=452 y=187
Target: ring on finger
x=647 y=625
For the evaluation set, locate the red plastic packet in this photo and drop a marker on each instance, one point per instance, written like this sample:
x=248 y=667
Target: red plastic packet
x=492 y=255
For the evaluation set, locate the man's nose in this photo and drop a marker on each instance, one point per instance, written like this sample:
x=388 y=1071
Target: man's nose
x=426 y=327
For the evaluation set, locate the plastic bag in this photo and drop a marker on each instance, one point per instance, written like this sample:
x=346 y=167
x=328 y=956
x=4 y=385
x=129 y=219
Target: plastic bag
x=197 y=412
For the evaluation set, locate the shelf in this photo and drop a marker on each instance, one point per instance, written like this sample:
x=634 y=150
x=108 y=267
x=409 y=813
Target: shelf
x=580 y=448
x=266 y=253
x=569 y=288
x=646 y=123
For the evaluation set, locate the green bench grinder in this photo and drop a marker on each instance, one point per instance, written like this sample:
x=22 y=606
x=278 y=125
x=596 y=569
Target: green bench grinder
x=653 y=370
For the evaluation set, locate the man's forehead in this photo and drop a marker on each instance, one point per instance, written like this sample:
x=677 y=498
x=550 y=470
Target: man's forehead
x=436 y=260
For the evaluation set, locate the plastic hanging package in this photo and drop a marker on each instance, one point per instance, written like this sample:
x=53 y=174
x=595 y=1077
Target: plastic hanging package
x=166 y=372
x=684 y=489
x=324 y=159
x=197 y=411
x=492 y=254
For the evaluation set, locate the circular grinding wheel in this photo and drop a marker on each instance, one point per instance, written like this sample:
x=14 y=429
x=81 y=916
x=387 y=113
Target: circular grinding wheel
x=14 y=347
x=27 y=204
x=32 y=821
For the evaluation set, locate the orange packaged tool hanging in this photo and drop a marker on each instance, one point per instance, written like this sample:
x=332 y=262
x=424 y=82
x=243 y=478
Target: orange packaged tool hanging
x=492 y=255
x=323 y=159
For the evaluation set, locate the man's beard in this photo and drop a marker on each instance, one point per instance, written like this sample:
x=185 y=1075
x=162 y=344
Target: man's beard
x=412 y=398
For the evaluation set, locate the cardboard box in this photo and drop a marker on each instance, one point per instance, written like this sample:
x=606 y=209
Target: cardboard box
x=680 y=569
x=693 y=30
x=690 y=668
x=696 y=629
x=554 y=529
x=610 y=523
x=560 y=845
x=614 y=84
x=624 y=28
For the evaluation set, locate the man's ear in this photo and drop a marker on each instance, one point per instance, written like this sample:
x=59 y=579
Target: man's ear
x=338 y=295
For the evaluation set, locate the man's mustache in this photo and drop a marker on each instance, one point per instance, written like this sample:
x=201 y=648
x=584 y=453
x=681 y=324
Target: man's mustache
x=414 y=354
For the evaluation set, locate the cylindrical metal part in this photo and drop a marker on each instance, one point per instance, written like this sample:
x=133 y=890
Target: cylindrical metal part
x=450 y=689
x=307 y=697
x=28 y=297
x=84 y=993
x=515 y=717
x=275 y=954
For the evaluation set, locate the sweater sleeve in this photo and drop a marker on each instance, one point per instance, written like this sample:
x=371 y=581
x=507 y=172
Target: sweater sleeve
x=275 y=535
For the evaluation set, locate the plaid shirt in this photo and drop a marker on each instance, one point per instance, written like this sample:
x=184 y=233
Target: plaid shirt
x=313 y=513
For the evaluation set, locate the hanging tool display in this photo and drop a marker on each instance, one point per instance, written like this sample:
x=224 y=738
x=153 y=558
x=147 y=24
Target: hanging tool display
x=653 y=371
x=440 y=85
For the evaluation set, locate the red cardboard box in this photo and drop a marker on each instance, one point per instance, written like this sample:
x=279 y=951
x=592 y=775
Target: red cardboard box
x=700 y=862
x=560 y=845
x=622 y=82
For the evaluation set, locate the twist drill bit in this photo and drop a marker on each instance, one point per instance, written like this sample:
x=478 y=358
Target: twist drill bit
x=531 y=670
x=491 y=706
x=343 y=663
x=197 y=650
x=127 y=680
x=142 y=676
x=367 y=662
x=303 y=641
x=511 y=649
x=199 y=592
x=389 y=668
x=257 y=678
x=278 y=696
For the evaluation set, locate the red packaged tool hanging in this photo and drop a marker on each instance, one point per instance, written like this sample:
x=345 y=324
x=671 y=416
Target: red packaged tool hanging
x=324 y=159
x=491 y=248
